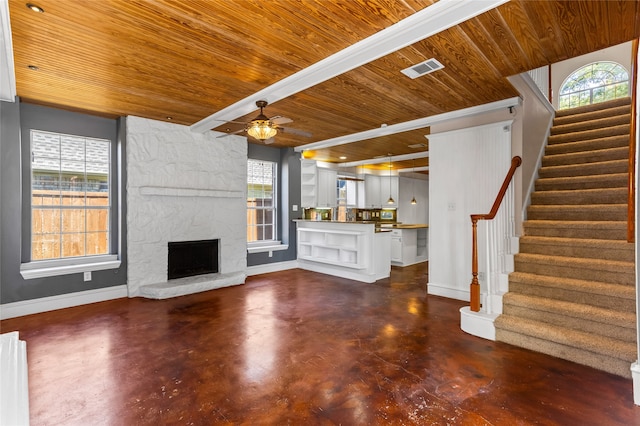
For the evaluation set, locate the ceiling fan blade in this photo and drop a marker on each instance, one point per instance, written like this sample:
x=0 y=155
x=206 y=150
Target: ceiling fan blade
x=278 y=119
x=295 y=131
x=229 y=134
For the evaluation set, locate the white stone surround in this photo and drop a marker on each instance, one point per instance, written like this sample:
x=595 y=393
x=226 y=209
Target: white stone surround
x=183 y=186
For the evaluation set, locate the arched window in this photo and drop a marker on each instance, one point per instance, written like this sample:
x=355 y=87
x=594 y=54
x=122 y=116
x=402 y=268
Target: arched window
x=593 y=83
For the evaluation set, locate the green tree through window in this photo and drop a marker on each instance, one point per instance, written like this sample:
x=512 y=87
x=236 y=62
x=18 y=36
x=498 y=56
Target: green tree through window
x=593 y=83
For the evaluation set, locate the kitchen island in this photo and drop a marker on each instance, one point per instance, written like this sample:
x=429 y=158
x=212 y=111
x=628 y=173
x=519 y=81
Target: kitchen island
x=354 y=250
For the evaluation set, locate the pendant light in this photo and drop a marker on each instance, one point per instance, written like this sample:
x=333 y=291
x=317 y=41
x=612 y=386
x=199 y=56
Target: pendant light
x=390 y=200
x=413 y=184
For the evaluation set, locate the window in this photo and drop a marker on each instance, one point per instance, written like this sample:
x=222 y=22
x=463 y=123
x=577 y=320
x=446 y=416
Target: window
x=261 y=201
x=70 y=201
x=593 y=83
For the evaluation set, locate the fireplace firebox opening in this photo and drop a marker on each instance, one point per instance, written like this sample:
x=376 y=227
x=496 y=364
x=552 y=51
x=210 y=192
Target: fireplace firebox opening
x=191 y=258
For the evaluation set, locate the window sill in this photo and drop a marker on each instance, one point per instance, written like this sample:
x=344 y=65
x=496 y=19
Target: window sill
x=263 y=248
x=52 y=268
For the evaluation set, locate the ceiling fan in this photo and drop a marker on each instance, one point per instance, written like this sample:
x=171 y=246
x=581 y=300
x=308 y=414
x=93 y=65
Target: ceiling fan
x=264 y=128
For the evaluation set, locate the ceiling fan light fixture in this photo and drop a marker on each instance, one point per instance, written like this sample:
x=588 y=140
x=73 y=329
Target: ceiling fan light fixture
x=262 y=129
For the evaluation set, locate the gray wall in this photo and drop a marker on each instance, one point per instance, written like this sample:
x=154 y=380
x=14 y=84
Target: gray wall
x=288 y=195
x=16 y=120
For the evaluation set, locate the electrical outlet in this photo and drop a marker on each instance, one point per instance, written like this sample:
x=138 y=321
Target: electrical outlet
x=87 y=276
x=294 y=207
x=481 y=276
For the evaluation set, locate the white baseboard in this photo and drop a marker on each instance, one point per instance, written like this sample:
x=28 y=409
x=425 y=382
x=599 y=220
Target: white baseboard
x=635 y=375
x=444 y=290
x=271 y=267
x=45 y=304
x=478 y=323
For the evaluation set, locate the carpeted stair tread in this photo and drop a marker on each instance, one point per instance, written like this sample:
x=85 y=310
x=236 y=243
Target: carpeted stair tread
x=590 y=144
x=595 y=229
x=596 y=123
x=594 y=156
x=613 y=180
x=594 y=107
x=578 y=247
x=569 y=309
x=562 y=120
x=594 y=293
x=586 y=212
x=604 y=353
x=581 y=196
x=588 y=169
x=621 y=129
x=610 y=271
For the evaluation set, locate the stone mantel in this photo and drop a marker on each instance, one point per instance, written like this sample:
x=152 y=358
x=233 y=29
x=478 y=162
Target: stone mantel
x=189 y=192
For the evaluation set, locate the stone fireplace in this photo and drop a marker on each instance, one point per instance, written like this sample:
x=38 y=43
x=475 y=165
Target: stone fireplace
x=183 y=186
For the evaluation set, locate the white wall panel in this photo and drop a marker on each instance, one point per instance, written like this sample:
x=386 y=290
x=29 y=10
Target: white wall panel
x=466 y=169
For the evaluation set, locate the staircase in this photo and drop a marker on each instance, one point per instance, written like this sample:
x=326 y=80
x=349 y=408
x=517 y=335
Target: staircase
x=572 y=294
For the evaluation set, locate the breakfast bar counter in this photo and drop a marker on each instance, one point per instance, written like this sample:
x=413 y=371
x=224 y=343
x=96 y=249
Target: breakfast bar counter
x=354 y=250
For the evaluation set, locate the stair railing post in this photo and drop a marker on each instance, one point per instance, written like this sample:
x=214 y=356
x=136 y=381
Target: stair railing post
x=475 y=285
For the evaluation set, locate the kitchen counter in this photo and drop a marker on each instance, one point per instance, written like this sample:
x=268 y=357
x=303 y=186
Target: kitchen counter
x=404 y=225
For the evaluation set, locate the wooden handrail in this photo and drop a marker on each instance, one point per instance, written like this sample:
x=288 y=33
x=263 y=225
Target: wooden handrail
x=631 y=200
x=475 y=285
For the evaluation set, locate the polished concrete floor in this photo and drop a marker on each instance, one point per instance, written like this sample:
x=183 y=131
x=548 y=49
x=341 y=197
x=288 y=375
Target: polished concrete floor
x=300 y=348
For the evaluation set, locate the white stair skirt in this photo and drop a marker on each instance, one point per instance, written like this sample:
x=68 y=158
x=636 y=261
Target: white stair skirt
x=478 y=323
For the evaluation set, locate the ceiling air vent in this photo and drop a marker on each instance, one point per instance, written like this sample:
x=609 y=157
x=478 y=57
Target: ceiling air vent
x=423 y=68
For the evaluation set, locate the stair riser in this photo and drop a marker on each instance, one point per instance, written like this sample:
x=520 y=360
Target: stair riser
x=576 y=250
x=610 y=154
x=627 y=334
x=571 y=295
x=589 y=134
x=615 y=366
x=601 y=122
x=579 y=272
x=588 y=169
x=584 y=182
x=581 y=213
x=594 y=115
x=620 y=141
x=580 y=197
x=586 y=232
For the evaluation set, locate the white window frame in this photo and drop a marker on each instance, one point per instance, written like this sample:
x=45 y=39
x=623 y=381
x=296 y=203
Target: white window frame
x=273 y=244
x=69 y=265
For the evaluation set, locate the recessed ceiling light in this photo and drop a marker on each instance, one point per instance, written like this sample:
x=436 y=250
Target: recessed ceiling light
x=169 y=118
x=33 y=67
x=35 y=8
x=342 y=157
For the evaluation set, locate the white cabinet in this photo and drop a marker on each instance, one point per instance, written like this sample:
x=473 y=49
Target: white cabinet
x=408 y=246
x=327 y=188
x=377 y=190
x=371 y=191
x=308 y=183
x=342 y=248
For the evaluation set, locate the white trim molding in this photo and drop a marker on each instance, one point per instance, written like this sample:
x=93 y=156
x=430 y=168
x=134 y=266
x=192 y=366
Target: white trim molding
x=271 y=267
x=52 y=303
x=52 y=268
x=7 y=65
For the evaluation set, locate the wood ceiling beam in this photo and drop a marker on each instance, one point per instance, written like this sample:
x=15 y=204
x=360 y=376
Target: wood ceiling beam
x=422 y=24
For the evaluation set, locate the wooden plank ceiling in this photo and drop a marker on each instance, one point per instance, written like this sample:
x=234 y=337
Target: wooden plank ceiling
x=184 y=60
